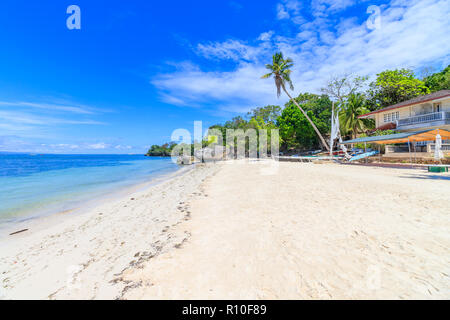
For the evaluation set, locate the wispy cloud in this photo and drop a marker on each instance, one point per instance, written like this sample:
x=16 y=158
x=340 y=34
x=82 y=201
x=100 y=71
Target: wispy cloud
x=19 y=144
x=290 y=10
x=282 y=12
x=412 y=34
x=50 y=107
x=26 y=118
x=231 y=49
x=236 y=5
x=32 y=119
x=232 y=88
x=325 y=7
x=266 y=36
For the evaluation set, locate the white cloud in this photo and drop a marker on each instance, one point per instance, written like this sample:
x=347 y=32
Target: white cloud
x=306 y=35
x=49 y=106
x=326 y=7
x=266 y=36
x=412 y=34
x=290 y=9
x=35 y=145
x=64 y=146
x=293 y=6
x=282 y=12
x=231 y=49
x=240 y=87
x=33 y=118
x=97 y=146
x=14 y=117
x=120 y=147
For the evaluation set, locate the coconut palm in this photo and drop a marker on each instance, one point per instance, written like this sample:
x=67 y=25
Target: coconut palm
x=354 y=107
x=280 y=70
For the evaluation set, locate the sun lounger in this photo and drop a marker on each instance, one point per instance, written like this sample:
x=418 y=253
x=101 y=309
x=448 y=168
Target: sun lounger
x=363 y=155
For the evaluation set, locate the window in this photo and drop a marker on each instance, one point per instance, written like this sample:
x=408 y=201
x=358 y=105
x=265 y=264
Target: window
x=397 y=115
x=390 y=117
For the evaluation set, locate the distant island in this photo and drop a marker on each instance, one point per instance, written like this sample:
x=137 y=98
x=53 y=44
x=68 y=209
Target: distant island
x=164 y=150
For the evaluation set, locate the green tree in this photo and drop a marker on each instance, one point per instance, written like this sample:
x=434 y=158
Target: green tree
x=268 y=114
x=439 y=80
x=164 y=150
x=348 y=117
x=394 y=86
x=320 y=105
x=281 y=72
x=295 y=129
x=236 y=123
x=264 y=119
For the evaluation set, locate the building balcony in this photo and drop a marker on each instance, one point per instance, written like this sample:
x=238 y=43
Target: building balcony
x=429 y=120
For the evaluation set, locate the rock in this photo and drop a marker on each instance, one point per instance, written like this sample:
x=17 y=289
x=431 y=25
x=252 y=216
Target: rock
x=184 y=160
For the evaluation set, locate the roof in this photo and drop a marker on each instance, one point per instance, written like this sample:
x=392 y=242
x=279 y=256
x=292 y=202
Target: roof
x=421 y=99
x=423 y=135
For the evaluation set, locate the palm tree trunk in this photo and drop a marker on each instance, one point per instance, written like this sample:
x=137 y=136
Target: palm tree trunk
x=310 y=121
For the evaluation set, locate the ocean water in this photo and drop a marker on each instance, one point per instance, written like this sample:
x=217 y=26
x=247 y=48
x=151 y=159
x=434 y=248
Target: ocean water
x=34 y=185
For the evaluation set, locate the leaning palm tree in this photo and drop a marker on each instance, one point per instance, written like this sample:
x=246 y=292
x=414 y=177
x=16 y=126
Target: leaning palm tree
x=355 y=106
x=280 y=70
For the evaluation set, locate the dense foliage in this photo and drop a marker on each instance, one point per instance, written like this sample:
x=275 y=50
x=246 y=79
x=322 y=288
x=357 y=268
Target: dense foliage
x=295 y=131
x=355 y=106
x=439 y=80
x=164 y=150
x=394 y=86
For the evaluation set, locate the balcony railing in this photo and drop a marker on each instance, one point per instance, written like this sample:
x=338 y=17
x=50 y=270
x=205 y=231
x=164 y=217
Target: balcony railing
x=429 y=148
x=429 y=117
x=444 y=147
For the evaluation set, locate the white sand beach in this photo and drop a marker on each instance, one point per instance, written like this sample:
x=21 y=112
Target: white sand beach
x=237 y=230
x=79 y=256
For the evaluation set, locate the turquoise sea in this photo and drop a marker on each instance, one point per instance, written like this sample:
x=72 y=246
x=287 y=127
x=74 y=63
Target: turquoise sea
x=34 y=185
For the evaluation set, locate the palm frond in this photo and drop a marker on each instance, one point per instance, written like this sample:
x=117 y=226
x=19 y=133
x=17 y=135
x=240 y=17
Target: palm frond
x=280 y=70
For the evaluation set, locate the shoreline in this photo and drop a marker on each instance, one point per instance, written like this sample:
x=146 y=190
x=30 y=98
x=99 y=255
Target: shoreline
x=53 y=214
x=97 y=244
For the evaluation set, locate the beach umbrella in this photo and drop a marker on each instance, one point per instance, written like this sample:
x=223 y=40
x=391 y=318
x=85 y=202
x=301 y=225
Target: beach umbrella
x=438 y=155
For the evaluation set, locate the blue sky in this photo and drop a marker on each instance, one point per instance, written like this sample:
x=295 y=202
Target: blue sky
x=137 y=70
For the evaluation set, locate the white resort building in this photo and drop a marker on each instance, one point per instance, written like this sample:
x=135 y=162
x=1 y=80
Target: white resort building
x=418 y=120
x=431 y=111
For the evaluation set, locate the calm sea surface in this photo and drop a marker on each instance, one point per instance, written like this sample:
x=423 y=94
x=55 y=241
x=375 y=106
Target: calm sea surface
x=32 y=185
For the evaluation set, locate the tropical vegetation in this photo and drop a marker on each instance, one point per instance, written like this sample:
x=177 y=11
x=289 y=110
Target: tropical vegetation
x=394 y=86
x=439 y=80
x=355 y=106
x=304 y=122
x=280 y=70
